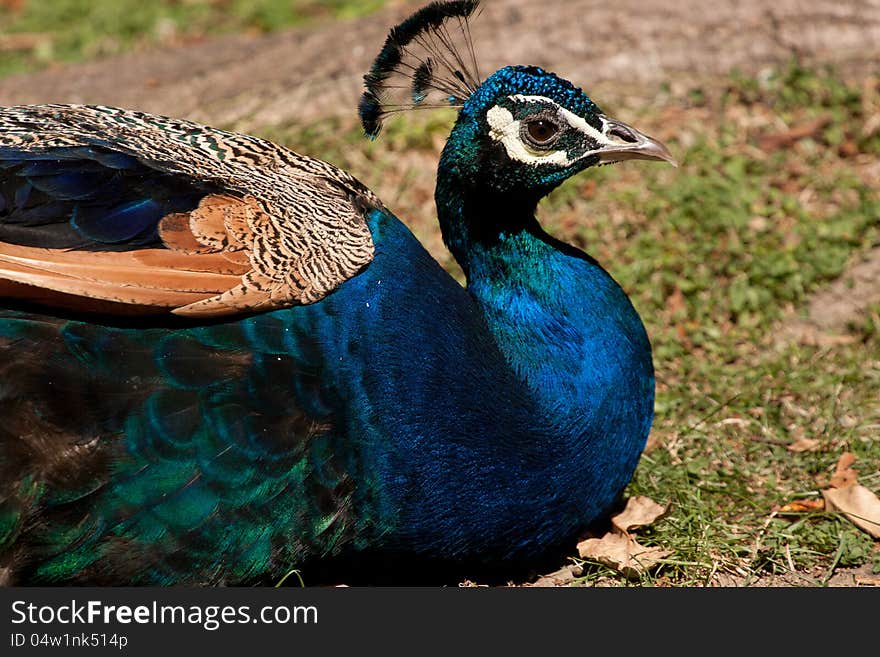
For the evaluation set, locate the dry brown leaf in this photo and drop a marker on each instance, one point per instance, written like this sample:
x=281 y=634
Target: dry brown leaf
x=860 y=506
x=777 y=140
x=654 y=441
x=726 y=580
x=617 y=549
x=848 y=148
x=12 y=6
x=559 y=578
x=639 y=511
x=844 y=475
x=622 y=553
x=22 y=41
x=804 y=445
x=675 y=302
x=807 y=334
x=801 y=506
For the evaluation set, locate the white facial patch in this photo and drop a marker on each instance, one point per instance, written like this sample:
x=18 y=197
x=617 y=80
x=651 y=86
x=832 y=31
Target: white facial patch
x=504 y=128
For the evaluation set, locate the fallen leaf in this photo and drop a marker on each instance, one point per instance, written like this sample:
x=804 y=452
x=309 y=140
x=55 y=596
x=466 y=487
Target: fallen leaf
x=735 y=421
x=12 y=6
x=844 y=475
x=803 y=445
x=560 y=577
x=639 y=511
x=22 y=41
x=682 y=335
x=860 y=506
x=871 y=126
x=726 y=580
x=617 y=549
x=807 y=334
x=758 y=224
x=675 y=302
x=848 y=148
x=777 y=140
x=801 y=506
x=622 y=553
x=654 y=441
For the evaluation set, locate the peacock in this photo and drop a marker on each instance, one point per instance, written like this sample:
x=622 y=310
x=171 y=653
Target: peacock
x=223 y=361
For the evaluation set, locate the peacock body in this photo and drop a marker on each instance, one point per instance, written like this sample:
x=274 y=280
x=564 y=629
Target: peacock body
x=222 y=360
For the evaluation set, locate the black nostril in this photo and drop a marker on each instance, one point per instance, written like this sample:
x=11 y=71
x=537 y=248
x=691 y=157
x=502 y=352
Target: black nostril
x=622 y=132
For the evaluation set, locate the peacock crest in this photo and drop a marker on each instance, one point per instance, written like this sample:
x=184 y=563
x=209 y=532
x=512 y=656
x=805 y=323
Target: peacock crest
x=428 y=61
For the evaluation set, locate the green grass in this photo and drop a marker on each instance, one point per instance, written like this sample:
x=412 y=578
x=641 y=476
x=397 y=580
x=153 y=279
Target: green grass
x=50 y=31
x=714 y=255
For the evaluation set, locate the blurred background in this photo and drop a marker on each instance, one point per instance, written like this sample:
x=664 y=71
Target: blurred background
x=755 y=265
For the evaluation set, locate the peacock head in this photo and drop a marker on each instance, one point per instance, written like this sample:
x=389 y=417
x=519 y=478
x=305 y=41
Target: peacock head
x=526 y=130
x=520 y=132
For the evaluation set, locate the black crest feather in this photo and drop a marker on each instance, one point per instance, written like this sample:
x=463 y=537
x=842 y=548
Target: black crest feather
x=422 y=58
x=421 y=84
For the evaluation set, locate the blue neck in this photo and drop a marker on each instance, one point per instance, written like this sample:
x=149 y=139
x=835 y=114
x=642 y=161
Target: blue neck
x=565 y=326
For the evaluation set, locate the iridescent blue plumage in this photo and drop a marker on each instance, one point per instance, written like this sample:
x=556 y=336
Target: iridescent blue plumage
x=397 y=415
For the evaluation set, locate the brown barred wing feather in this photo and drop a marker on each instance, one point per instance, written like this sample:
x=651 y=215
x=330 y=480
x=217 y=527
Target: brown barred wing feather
x=249 y=226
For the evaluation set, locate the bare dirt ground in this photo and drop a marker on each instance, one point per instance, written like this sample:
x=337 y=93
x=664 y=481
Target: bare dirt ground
x=310 y=72
x=629 y=47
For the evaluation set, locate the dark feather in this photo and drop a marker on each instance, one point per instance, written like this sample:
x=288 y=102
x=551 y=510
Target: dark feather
x=370 y=112
x=135 y=220
x=76 y=201
x=430 y=17
x=422 y=80
x=421 y=55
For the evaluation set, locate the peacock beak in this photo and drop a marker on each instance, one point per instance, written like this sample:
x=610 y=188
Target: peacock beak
x=623 y=142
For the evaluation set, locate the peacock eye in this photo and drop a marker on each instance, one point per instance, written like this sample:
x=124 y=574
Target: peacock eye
x=541 y=132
